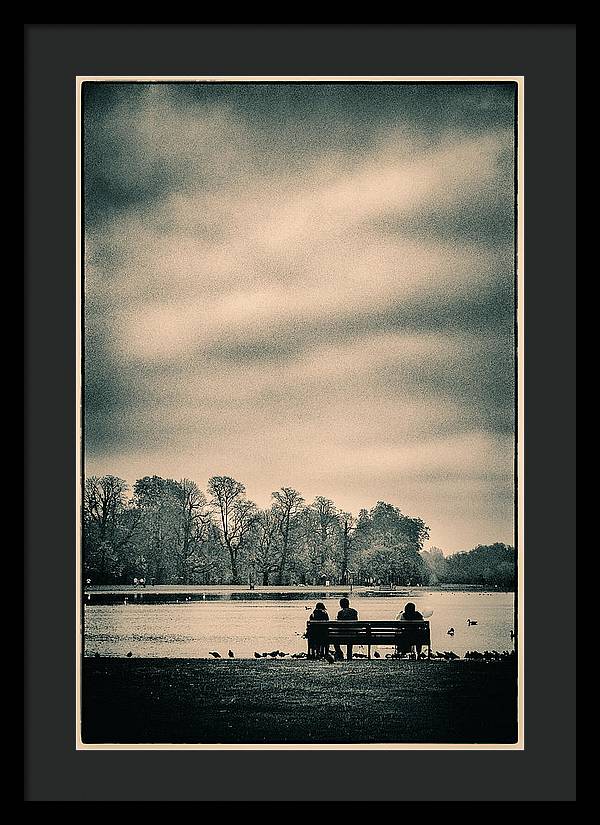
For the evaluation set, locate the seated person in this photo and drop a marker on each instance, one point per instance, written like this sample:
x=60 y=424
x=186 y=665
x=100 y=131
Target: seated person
x=346 y=614
x=320 y=647
x=409 y=614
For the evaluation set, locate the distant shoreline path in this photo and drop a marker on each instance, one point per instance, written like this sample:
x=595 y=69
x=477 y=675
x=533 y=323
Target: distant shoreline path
x=273 y=591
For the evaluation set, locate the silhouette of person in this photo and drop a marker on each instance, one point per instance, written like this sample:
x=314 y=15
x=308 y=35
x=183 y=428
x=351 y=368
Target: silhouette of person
x=346 y=614
x=409 y=614
x=320 y=613
x=320 y=646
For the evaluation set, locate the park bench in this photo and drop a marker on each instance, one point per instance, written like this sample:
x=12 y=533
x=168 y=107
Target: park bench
x=392 y=632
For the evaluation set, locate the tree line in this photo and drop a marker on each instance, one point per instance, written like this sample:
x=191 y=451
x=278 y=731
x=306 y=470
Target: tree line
x=172 y=532
x=486 y=564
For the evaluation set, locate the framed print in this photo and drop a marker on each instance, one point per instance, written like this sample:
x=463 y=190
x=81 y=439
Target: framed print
x=297 y=306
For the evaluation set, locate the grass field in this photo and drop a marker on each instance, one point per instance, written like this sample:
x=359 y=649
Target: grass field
x=138 y=701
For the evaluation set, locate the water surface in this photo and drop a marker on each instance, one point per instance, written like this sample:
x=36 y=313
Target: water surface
x=193 y=629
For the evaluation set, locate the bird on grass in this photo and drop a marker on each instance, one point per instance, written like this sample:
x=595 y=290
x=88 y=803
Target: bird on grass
x=215 y=654
x=230 y=654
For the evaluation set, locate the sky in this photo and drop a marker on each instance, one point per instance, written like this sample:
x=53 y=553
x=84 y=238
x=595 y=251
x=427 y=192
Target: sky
x=305 y=285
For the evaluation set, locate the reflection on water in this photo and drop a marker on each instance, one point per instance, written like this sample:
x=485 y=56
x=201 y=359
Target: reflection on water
x=191 y=630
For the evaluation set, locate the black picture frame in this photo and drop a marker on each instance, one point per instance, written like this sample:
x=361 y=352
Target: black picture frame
x=54 y=55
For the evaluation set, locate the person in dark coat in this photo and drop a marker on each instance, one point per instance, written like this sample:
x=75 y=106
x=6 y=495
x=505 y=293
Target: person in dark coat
x=320 y=647
x=346 y=614
x=409 y=614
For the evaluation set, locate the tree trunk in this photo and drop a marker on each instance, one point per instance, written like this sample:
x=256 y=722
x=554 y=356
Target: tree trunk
x=234 y=567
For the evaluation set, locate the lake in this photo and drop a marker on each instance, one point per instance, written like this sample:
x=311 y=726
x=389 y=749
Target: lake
x=191 y=629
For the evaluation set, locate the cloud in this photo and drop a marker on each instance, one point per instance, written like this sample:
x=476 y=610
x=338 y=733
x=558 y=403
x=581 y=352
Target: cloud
x=308 y=286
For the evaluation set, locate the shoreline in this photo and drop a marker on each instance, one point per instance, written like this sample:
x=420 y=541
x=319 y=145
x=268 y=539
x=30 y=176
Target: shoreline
x=105 y=593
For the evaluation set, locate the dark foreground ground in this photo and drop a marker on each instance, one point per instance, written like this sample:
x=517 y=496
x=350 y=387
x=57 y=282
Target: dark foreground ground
x=244 y=701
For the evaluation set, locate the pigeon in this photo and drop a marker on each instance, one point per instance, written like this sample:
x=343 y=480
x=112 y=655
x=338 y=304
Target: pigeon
x=471 y=621
x=215 y=654
x=273 y=654
x=376 y=655
x=230 y=654
x=129 y=655
x=257 y=656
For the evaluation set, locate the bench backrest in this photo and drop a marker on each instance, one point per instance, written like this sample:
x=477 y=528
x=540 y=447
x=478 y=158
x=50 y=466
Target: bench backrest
x=381 y=632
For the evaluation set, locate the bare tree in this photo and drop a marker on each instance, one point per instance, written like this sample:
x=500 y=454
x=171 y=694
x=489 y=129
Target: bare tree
x=106 y=531
x=192 y=527
x=267 y=543
x=328 y=515
x=288 y=504
x=235 y=515
x=155 y=497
